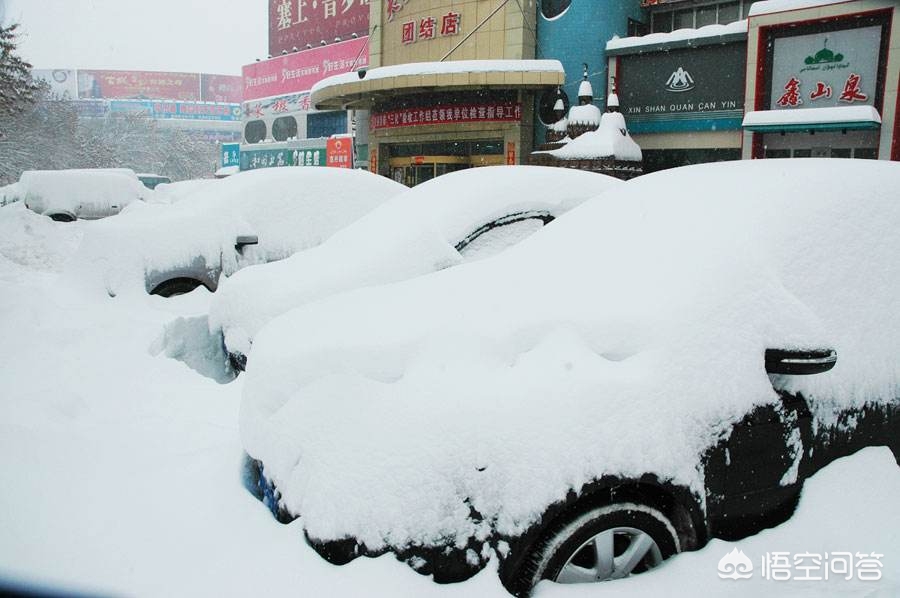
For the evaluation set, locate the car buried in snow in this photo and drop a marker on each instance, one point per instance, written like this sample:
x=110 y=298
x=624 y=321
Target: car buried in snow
x=80 y=194
x=664 y=365
x=172 y=247
x=455 y=218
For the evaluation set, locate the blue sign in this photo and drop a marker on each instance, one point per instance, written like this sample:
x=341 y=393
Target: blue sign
x=177 y=110
x=231 y=154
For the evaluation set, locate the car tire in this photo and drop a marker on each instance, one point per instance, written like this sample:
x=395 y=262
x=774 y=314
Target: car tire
x=178 y=286
x=599 y=544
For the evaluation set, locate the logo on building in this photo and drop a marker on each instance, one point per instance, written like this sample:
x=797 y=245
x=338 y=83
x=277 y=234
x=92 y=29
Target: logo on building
x=824 y=56
x=735 y=565
x=680 y=80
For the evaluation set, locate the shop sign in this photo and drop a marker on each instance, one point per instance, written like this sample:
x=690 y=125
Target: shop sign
x=295 y=23
x=176 y=110
x=339 y=152
x=279 y=105
x=431 y=27
x=231 y=154
x=373 y=159
x=692 y=83
x=252 y=159
x=299 y=71
x=447 y=114
x=138 y=85
x=820 y=70
x=510 y=153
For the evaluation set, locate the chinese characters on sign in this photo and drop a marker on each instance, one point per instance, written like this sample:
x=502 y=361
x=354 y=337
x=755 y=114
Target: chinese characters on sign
x=253 y=159
x=339 y=152
x=295 y=23
x=792 y=94
x=427 y=28
x=442 y=115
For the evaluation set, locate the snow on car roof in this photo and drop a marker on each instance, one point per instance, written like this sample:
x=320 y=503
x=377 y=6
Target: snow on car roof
x=623 y=339
x=411 y=234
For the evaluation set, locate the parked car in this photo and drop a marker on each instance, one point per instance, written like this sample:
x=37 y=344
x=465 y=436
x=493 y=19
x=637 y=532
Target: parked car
x=85 y=194
x=664 y=365
x=251 y=218
x=449 y=220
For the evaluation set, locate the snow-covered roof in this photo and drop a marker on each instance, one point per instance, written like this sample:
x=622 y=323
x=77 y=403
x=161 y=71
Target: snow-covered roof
x=560 y=126
x=585 y=89
x=770 y=6
x=812 y=116
x=625 y=339
x=589 y=114
x=610 y=140
x=679 y=35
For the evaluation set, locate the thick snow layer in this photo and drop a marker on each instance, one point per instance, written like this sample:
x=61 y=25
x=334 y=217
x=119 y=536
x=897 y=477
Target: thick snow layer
x=770 y=6
x=414 y=233
x=834 y=114
x=288 y=209
x=81 y=193
x=624 y=339
x=610 y=140
x=585 y=115
x=443 y=68
x=10 y=194
x=654 y=39
x=116 y=465
x=174 y=192
x=36 y=242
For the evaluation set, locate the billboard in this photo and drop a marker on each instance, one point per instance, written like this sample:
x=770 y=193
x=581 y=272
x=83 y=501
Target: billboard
x=63 y=83
x=827 y=69
x=176 y=110
x=299 y=71
x=251 y=159
x=296 y=23
x=138 y=85
x=221 y=88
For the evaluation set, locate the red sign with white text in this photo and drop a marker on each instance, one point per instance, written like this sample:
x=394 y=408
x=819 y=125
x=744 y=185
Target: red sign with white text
x=443 y=115
x=221 y=88
x=138 y=85
x=299 y=71
x=295 y=23
x=339 y=152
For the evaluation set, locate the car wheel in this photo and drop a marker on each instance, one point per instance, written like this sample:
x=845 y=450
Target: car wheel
x=178 y=286
x=603 y=543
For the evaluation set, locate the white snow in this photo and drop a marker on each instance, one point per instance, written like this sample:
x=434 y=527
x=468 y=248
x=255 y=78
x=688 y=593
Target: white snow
x=289 y=209
x=834 y=114
x=654 y=39
x=444 y=68
x=227 y=171
x=770 y=6
x=120 y=470
x=85 y=194
x=623 y=339
x=174 y=192
x=610 y=140
x=10 y=193
x=412 y=234
x=588 y=114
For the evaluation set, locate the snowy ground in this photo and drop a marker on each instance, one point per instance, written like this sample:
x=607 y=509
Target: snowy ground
x=120 y=466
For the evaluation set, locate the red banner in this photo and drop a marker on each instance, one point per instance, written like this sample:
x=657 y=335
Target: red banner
x=447 y=114
x=339 y=152
x=226 y=89
x=299 y=71
x=296 y=23
x=138 y=85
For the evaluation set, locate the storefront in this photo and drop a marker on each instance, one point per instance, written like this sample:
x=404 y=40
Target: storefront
x=682 y=96
x=821 y=82
x=452 y=85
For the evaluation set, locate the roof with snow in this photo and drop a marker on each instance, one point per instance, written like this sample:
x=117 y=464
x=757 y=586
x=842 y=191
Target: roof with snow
x=836 y=117
x=770 y=6
x=588 y=114
x=610 y=140
x=680 y=38
x=362 y=88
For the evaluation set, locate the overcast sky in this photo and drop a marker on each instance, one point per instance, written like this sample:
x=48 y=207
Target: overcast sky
x=212 y=36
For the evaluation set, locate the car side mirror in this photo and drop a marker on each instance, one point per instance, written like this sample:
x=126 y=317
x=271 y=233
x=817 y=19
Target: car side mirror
x=799 y=362
x=243 y=240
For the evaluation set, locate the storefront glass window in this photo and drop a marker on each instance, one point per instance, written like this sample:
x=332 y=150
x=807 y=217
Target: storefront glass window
x=729 y=12
x=255 y=131
x=684 y=19
x=662 y=22
x=866 y=153
x=326 y=124
x=706 y=15
x=284 y=128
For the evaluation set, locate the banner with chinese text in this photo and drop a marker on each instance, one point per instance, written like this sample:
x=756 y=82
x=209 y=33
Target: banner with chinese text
x=138 y=85
x=295 y=23
x=447 y=114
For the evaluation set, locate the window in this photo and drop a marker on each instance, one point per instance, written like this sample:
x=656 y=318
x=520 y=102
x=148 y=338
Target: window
x=255 y=131
x=684 y=19
x=778 y=153
x=546 y=104
x=554 y=8
x=661 y=22
x=326 y=124
x=729 y=12
x=802 y=153
x=706 y=15
x=284 y=128
x=866 y=153
x=690 y=18
x=840 y=152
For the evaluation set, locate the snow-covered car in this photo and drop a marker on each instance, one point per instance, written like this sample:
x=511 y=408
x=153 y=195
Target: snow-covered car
x=624 y=385
x=250 y=218
x=10 y=194
x=449 y=220
x=80 y=194
x=151 y=180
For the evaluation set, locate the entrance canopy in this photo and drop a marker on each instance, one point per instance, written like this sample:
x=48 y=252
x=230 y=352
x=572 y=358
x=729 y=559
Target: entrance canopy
x=362 y=89
x=813 y=119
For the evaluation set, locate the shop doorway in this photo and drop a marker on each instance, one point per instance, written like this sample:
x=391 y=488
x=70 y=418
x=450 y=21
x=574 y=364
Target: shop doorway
x=413 y=164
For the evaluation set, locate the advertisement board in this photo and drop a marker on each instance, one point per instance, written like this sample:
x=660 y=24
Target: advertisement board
x=230 y=154
x=277 y=105
x=683 y=89
x=339 y=152
x=177 y=110
x=63 y=83
x=221 y=88
x=138 y=85
x=827 y=69
x=446 y=114
x=295 y=23
x=251 y=159
x=292 y=73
